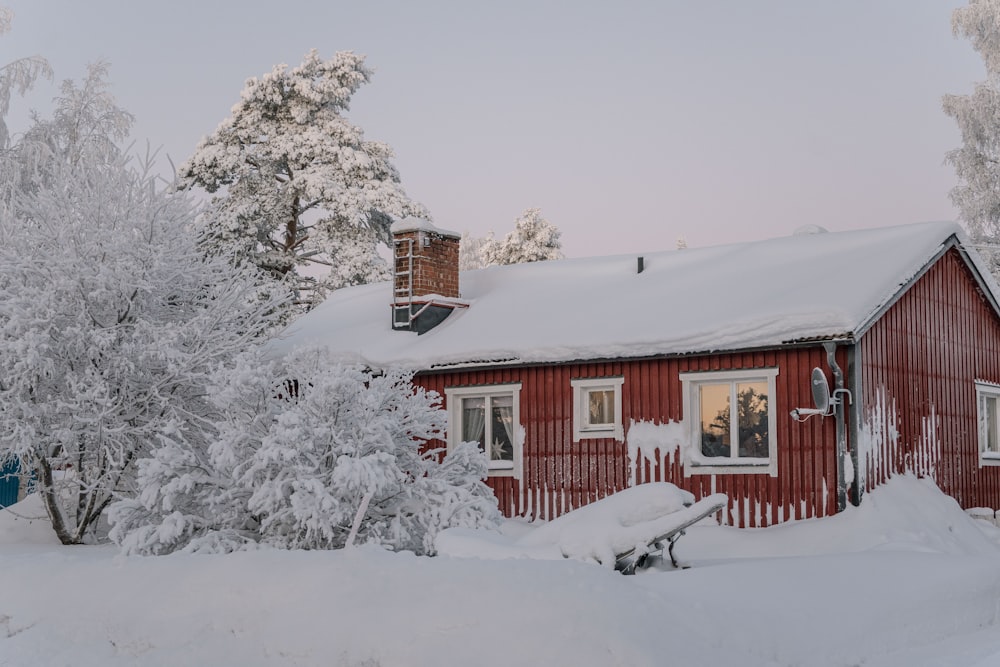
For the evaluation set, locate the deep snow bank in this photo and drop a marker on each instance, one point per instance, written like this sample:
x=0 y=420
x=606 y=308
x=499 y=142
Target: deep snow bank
x=906 y=579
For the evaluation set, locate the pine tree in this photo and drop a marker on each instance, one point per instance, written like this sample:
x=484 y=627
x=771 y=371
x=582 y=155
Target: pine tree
x=290 y=170
x=534 y=239
x=354 y=258
x=470 y=251
x=977 y=160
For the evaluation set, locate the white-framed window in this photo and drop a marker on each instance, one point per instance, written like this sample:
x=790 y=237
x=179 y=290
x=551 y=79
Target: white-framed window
x=988 y=411
x=732 y=423
x=491 y=416
x=597 y=408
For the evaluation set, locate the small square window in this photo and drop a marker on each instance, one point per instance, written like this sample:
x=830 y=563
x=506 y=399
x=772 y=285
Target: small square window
x=597 y=408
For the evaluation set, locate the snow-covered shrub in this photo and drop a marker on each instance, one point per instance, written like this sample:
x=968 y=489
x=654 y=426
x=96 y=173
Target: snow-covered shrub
x=311 y=455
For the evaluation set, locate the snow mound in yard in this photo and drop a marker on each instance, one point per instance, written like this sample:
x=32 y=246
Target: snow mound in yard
x=26 y=523
x=906 y=579
x=906 y=514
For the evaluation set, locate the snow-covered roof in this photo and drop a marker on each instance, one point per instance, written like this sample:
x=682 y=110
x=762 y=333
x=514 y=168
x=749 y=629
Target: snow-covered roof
x=419 y=225
x=728 y=297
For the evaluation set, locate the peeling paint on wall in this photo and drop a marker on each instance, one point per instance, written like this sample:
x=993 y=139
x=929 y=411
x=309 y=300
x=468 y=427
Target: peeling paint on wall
x=882 y=452
x=879 y=439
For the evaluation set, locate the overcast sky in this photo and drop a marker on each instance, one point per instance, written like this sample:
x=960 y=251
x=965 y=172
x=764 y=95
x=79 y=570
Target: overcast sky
x=629 y=124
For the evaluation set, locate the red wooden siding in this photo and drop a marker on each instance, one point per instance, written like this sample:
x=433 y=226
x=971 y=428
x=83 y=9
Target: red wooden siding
x=921 y=358
x=560 y=475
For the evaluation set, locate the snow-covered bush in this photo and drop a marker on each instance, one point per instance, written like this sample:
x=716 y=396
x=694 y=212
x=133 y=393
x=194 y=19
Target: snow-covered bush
x=337 y=456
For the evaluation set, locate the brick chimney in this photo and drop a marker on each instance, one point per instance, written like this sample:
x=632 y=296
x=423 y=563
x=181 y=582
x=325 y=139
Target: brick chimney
x=425 y=275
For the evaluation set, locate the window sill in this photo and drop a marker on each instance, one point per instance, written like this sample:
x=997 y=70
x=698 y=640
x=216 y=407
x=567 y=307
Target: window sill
x=732 y=468
x=593 y=434
x=989 y=460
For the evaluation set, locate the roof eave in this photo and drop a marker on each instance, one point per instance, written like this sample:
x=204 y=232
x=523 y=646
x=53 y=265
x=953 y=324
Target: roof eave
x=985 y=282
x=516 y=362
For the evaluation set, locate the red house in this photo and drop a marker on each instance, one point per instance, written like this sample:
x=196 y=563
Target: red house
x=581 y=377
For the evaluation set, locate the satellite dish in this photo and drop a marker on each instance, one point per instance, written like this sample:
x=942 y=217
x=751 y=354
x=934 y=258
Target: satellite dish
x=821 y=391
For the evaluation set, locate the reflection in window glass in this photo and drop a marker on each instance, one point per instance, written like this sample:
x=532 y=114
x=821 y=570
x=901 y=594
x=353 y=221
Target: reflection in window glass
x=601 y=407
x=717 y=415
x=715 y=419
x=732 y=415
x=751 y=399
x=502 y=429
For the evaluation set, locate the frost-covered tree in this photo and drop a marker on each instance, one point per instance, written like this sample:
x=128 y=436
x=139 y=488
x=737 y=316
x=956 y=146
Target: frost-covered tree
x=336 y=457
x=977 y=161
x=17 y=76
x=112 y=320
x=470 y=251
x=534 y=239
x=354 y=258
x=87 y=125
x=290 y=170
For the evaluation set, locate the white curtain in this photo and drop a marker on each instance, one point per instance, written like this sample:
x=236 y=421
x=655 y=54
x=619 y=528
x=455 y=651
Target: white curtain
x=474 y=420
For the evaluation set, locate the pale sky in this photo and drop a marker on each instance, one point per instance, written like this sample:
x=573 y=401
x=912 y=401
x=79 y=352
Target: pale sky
x=629 y=124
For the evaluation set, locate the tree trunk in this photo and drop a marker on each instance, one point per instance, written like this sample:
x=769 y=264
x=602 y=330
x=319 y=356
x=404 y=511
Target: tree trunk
x=51 y=500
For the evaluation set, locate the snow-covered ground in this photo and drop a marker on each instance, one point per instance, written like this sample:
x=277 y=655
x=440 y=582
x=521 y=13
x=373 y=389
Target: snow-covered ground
x=906 y=579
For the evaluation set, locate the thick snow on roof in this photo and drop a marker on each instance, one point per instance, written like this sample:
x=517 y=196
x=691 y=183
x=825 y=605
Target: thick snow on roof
x=419 y=225
x=822 y=285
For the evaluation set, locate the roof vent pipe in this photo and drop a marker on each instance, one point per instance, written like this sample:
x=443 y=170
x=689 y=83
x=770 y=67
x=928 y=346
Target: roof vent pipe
x=639 y=265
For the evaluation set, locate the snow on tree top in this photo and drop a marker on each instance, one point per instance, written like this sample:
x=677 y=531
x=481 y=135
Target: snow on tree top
x=728 y=297
x=419 y=225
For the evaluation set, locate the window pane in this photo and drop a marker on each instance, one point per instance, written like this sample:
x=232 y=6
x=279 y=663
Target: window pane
x=474 y=420
x=992 y=445
x=715 y=419
x=601 y=407
x=751 y=400
x=502 y=428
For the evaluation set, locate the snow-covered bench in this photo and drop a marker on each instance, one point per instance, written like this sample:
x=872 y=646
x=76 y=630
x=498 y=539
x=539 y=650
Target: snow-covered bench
x=672 y=526
x=621 y=530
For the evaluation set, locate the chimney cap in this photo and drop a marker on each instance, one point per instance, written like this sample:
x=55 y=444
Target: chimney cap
x=419 y=225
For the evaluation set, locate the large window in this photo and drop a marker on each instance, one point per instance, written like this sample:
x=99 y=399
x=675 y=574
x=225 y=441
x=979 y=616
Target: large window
x=988 y=400
x=731 y=419
x=597 y=408
x=490 y=416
